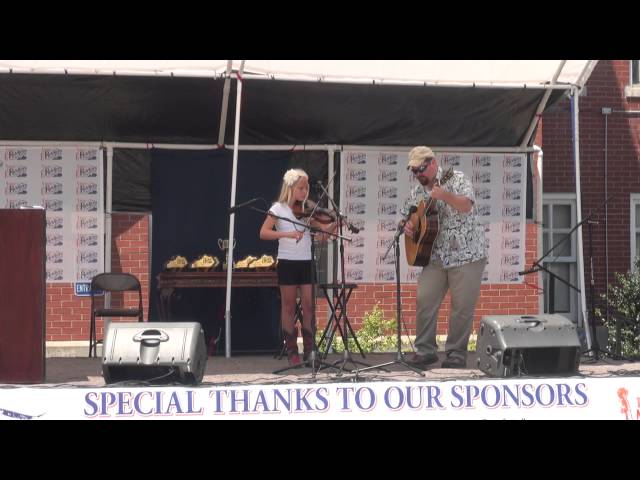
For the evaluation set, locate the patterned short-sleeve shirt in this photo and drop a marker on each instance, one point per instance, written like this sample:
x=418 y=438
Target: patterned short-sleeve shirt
x=461 y=237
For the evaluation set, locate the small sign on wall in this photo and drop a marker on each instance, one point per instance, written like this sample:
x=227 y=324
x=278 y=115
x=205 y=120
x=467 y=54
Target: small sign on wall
x=83 y=289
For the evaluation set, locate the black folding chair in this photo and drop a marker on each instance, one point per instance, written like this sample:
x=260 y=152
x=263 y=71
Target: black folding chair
x=112 y=282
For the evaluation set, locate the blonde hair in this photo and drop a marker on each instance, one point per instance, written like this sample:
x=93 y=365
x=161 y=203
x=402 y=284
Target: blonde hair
x=288 y=181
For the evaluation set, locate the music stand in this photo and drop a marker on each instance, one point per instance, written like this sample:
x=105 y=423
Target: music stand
x=399 y=354
x=341 y=293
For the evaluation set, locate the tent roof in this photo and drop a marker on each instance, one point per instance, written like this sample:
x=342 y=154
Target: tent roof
x=441 y=103
x=453 y=72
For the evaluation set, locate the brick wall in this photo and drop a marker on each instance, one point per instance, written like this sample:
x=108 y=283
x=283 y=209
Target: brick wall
x=68 y=316
x=605 y=88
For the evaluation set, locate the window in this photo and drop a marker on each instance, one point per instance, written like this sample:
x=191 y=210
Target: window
x=635 y=226
x=633 y=89
x=559 y=217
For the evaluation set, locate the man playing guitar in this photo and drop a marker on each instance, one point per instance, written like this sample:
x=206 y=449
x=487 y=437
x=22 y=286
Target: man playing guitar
x=455 y=262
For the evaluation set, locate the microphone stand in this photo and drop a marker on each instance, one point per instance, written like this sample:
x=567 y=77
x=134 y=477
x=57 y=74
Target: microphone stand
x=399 y=355
x=537 y=266
x=314 y=360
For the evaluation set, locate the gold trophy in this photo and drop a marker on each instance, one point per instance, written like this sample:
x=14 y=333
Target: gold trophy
x=224 y=246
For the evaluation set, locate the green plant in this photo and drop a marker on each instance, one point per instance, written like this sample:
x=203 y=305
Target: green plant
x=624 y=303
x=375 y=334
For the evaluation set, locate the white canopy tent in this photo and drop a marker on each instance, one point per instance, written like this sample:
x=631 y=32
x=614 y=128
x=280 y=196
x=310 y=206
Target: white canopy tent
x=549 y=75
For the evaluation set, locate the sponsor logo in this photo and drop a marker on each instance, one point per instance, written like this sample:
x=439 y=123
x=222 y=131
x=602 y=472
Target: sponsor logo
x=511 y=211
x=385 y=242
x=15 y=154
x=354 y=274
x=481 y=177
x=15 y=188
x=510 y=259
x=54 y=222
x=484 y=210
x=387 y=192
x=51 y=188
x=86 y=171
x=448 y=161
x=54 y=256
x=481 y=161
x=356 y=191
x=86 y=223
x=354 y=258
x=482 y=193
x=14 y=171
x=387 y=209
x=358 y=223
x=386 y=226
x=87 y=273
x=86 y=205
x=51 y=154
x=357 y=242
x=49 y=171
x=85 y=188
x=15 y=203
x=54 y=274
x=387 y=159
x=509 y=276
x=356 y=174
x=357 y=158
x=88 y=155
x=388 y=176
x=356 y=208
x=382 y=260
x=87 y=240
x=510 y=178
x=512 y=161
x=510 y=226
x=385 y=275
x=54 y=239
x=90 y=256
x=510 y=243
x=52 y=205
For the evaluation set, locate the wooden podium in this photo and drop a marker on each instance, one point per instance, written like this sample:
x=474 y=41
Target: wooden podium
x=22 y=295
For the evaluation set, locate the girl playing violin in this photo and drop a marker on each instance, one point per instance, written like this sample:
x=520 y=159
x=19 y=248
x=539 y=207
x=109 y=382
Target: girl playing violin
x=294 y=259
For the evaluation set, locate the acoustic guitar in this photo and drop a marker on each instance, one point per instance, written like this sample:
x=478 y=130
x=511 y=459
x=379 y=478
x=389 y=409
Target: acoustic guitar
x=425 y=220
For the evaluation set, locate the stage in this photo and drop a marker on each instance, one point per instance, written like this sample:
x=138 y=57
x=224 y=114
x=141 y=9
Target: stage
x=245 y=387
x=258 y=370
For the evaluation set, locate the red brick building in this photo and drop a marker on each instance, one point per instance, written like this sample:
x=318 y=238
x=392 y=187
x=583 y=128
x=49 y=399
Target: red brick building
x=609 y=109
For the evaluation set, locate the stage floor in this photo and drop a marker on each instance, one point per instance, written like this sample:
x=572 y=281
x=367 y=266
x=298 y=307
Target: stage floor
x=258 y=370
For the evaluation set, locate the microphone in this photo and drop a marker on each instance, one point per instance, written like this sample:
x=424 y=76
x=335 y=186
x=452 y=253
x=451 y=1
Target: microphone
x=413 y=209
x=242 y=205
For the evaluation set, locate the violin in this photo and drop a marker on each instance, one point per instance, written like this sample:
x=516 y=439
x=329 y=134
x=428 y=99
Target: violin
x=320 y=215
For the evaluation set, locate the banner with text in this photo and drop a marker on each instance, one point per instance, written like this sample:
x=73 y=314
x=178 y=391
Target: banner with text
x=539 y=398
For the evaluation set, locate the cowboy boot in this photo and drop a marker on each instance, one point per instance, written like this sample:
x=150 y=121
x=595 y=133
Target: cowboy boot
x=291 y=343
x=308 y=343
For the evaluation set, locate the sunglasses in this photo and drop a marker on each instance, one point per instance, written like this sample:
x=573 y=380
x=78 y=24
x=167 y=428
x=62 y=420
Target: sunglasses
x=421 y=168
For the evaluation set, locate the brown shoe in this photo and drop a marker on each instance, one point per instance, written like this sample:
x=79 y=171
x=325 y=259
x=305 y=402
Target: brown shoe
x=454 y=362
x=422 y=361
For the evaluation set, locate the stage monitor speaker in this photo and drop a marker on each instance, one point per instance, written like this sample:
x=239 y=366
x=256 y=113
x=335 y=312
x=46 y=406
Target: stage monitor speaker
x=154 y=352
x=513 y=345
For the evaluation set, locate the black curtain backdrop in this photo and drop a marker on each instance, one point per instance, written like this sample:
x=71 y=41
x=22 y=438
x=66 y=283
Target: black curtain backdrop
x=190 y=201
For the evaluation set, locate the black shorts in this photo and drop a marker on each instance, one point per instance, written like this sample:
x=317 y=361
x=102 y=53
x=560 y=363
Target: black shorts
x=294 y=272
